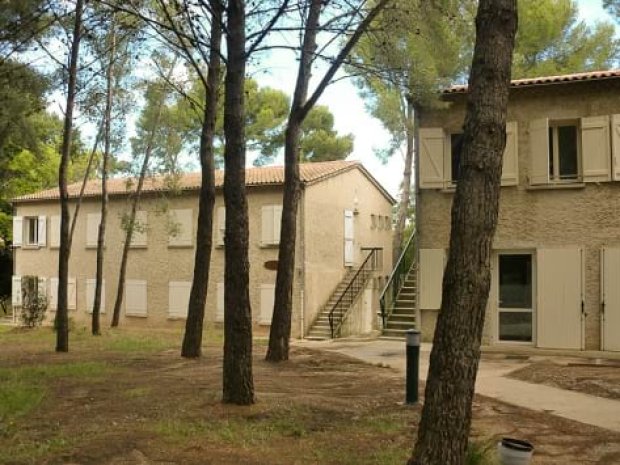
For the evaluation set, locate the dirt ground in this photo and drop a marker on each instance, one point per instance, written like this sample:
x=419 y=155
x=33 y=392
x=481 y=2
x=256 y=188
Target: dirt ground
x=598 y=379
x=142 y=404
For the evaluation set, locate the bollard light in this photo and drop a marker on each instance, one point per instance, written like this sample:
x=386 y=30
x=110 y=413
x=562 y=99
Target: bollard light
x=413 y=366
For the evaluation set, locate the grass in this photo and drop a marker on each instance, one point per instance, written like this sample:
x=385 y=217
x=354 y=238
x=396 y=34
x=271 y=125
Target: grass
x=30 y=451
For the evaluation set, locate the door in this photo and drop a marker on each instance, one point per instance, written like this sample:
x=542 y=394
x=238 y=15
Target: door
x=349 y=250
x=515 y=319
x=610 y=298
x=560 y=298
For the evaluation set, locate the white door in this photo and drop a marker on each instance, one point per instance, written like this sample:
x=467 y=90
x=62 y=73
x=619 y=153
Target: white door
x=515 y=310
x=610 y=298
x=560 y=298
x=349 y=234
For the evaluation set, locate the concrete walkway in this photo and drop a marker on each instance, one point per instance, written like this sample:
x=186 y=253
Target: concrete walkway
x=491 y=381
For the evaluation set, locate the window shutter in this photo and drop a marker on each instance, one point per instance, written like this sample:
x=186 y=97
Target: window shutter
x=182 y=222
x=219 y=310
x=92 y=229
x=71 y=294
x=615 y=145
x=221 y=225
x=42 y=236
x=432 y=142
x=432 y=262
x=90 y=295
x=178 y=298
x=349 y=238
x=42 y=286
x=267 y=224
x=595 y=154
x=55 y=231
x=138 y=238
x=135 y=302
x=539 y=151
x=267 y=297
x=18 y=230
x=53 y=295
x=510 y=164
x=277 y=223
x=16 y=291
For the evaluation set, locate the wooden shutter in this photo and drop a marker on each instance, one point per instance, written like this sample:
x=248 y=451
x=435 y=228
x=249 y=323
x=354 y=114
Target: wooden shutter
x=55 y=231
x=595 y=149
x=510 y=163
x=53 y=295
x=71 y=294
x=42 y=286
x=267 y=297
x=267 y=224
x=16 y=291
x=18 y=230
x=92 y=229
x=139 y=236
x=610 y=298
x=277 y=223
x=432 y=142
x=182 y=223
x=42 y=232
x=178 y=298
x=136 y=297
x=539 y=152
x=349 y=238
x=560 y=295
x=90 y=295
x=219 y=307
x=615 y=145
x=221 y=225
x=432 y=263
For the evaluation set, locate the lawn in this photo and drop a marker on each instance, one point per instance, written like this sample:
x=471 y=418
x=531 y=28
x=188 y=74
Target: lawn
x=127 y=397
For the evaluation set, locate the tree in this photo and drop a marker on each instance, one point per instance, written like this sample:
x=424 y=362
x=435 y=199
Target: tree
x=280 y=332
x=446 y=416
x=613 y=6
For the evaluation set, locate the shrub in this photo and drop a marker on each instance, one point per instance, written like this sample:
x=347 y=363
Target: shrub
x=34 y=302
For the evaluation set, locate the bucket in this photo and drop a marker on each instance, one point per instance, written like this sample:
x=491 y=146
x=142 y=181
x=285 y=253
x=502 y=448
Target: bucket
x=514 y=452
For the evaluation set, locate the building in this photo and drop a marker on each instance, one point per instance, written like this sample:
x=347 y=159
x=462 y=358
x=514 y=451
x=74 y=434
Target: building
x=556 y=260
x=344 y=215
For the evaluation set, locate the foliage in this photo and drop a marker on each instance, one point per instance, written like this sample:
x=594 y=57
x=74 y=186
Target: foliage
x=481 y=453
x=34 y=303
x=613 y=6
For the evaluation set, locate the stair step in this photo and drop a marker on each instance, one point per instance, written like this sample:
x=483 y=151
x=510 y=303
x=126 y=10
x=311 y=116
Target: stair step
x=402 y=317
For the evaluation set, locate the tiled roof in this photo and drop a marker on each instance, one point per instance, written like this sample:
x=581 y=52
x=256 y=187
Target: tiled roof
x=263 y=176
x=546 y=80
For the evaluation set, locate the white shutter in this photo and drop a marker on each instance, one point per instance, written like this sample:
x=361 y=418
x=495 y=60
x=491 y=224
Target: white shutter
x=277 y=223
x=178 y=298
x=221 y=226
x=559 y=288
x=510 y=163
x=432 y=141
x=90 y=295
x=432 y=263
x=92 y=229
x=71 y=294
x=42 y=286
x=349 y=238
x=595 y=147
x=615 y=145
x=55 y=231
x=42 y=233
x=16 y=291
x=267 y=297
x=52 y=301
x=539 y=151
x=219 y=308
x=18 y=230
x=267 y=224
x=138 y=238
x=136 y=296
x=182 y=224
x=610 y=298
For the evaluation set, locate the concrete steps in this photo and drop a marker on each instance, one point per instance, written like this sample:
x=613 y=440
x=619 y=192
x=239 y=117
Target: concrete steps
x=403 y=315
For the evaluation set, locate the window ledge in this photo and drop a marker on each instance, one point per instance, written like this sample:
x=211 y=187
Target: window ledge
x=269 y=246
x=553 y=186
x=31 y=246
x=180 y=246
x=132 y=246
x=136 y=315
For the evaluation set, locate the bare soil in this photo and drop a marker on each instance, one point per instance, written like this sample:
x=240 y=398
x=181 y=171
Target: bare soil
x=598 y=379
x=153 y=407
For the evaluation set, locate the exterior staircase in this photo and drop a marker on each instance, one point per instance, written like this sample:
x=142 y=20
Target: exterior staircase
x=403 y=316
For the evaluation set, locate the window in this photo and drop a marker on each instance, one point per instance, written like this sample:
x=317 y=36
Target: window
x=180 y=228
x=270 y=222
x=178 y=298
x=563 y=152
x=456 y=146
x=515 y=298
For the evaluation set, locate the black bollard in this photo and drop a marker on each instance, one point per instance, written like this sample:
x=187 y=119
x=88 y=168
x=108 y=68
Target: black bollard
x=413 y=366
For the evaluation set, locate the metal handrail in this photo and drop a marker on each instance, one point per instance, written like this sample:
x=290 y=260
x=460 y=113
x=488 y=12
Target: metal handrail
x=357 y=283
x=397 y=278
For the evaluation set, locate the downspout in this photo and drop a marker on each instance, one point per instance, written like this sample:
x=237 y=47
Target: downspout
x=302 y=244
x=416 y=224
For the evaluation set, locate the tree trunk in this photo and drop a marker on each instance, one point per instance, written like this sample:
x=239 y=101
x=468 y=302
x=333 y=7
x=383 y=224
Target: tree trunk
x=192 y=340
x=280 y=331
x=405 y=197
x=446 y=417
x=62 y=318
x=95 y=323
x=238 y=383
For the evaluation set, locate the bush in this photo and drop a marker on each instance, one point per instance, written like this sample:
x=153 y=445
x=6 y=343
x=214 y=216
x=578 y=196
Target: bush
x=34 y=304
x=481 y=453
